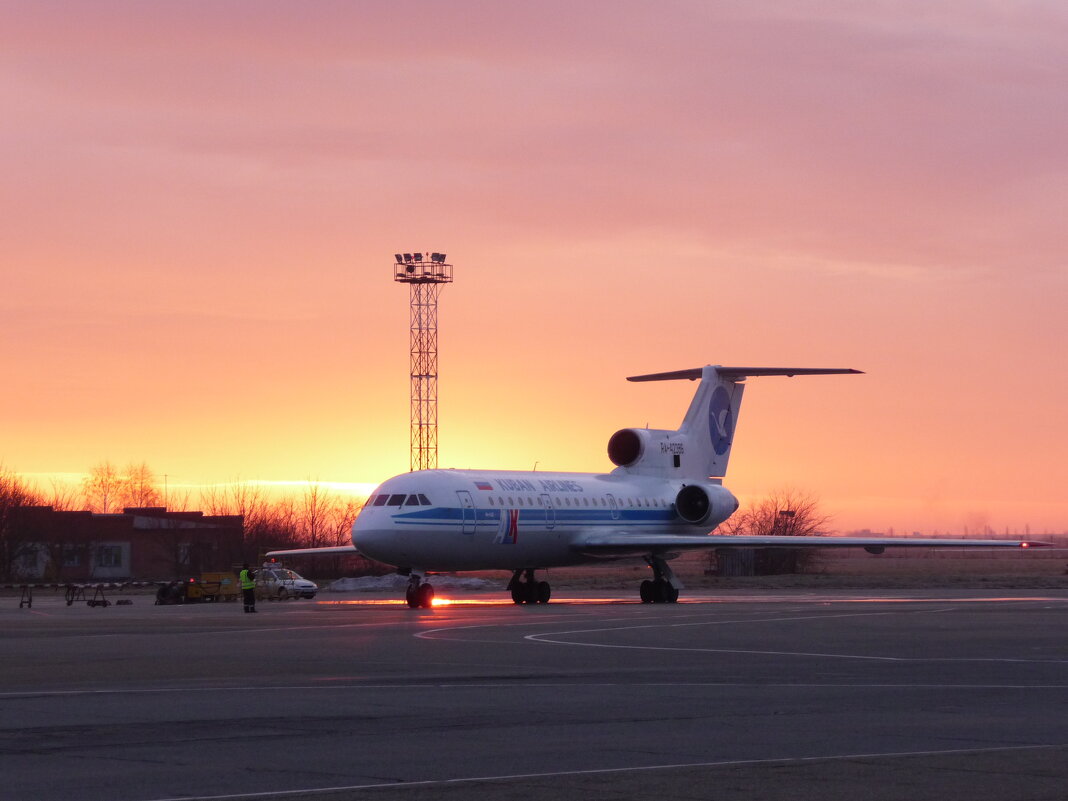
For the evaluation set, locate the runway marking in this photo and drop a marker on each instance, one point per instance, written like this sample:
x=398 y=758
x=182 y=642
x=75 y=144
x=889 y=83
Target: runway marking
x=524 y=685
x=726 y=763
x=428 y=634
x=545 y=639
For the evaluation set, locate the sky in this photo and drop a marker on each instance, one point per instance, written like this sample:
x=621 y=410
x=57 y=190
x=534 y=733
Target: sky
x=201 y=202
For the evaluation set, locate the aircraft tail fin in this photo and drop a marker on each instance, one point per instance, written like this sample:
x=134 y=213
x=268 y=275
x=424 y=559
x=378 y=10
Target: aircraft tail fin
x=701 y=447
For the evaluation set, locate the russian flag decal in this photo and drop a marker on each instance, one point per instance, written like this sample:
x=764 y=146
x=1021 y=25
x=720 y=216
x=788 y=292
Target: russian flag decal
x=483 y=485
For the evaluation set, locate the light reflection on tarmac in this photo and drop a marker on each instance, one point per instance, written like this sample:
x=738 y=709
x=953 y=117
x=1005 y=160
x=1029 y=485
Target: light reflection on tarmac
x=776 y=598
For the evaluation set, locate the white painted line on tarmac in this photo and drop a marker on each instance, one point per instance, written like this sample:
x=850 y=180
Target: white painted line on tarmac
x=548 y=638
x=528 y=685
x=727 y=763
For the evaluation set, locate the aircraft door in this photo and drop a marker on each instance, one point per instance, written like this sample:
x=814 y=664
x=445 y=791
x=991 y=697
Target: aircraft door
x=550 y=512
x=467 y=508
x=614 y=506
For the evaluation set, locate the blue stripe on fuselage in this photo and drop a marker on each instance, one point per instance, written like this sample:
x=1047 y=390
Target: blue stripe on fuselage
x=452 y=516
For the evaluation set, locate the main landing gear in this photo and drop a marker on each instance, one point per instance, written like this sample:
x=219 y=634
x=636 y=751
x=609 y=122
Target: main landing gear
x=525 y=590
x=663 y=588
x=418 y=593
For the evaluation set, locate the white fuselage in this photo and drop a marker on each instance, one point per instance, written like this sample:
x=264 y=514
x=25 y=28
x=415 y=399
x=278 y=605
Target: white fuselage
x=486 y=520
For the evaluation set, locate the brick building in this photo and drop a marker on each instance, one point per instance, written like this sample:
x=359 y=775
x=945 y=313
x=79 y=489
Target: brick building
x=140 y=543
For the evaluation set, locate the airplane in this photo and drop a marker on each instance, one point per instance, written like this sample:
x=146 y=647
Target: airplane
x=664 y=496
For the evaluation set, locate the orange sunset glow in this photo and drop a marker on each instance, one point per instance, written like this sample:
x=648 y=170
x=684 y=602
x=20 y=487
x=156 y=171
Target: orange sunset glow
x=202 y=201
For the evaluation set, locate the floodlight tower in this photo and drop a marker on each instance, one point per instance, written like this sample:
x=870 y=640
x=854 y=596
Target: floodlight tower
x=425 y=278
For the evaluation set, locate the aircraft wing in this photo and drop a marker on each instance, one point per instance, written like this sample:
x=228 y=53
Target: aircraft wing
x=335 y=550
x=622 y=543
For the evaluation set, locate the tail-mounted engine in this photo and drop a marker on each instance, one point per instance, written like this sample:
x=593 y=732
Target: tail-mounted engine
x=705 y=504
x=647 y=450
x=627 y=446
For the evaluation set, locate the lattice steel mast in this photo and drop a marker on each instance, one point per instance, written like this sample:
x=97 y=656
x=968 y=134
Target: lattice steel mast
x=425 y=277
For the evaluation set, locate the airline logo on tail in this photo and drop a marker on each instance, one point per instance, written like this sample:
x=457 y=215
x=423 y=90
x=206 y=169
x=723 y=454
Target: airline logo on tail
x=720 y=424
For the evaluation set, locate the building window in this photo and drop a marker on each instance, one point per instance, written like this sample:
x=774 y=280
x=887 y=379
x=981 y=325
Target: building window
x=72 y=556
x=28 y=559
x=109 y=556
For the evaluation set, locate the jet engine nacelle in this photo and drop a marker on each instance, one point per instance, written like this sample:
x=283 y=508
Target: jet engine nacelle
x=627 y=446
x=705 y=504
x=646 y=449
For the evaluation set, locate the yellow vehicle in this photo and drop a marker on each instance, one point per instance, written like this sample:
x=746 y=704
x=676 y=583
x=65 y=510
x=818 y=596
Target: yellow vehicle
x=220 y=586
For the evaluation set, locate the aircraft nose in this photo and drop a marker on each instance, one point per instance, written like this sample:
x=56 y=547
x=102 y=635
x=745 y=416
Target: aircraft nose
x=371 y=540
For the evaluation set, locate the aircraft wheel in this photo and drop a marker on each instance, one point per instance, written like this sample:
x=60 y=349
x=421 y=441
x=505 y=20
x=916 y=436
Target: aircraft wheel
x=426 y=596
x=410 y=595
x=543 y=592
x=517 y=594
x=671 y=594
x=645 y=590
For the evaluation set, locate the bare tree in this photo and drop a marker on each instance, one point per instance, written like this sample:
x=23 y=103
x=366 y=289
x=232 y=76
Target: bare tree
x=16 y=541
x=317 y=507
x=139 y=487
x=787 y=512
x=102 y=487
x=61 y=496
x=784 y=512
x=343 y=518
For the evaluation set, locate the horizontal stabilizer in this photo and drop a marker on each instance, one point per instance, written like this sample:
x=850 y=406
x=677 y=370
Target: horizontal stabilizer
x=735 y=373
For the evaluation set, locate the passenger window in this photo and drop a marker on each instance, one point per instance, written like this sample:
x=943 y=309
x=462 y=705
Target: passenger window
x=510 y=501
x=380 y=500
x=490 y=499
x=520 y=501
x=397 y=500
x=425 y=501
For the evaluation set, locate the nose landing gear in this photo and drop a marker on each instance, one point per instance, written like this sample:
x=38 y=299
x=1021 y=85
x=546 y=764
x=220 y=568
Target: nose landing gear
x=526 y=590
x=418 y=593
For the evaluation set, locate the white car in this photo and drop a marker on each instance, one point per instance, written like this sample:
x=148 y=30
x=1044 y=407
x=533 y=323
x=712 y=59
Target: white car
x=279 y=583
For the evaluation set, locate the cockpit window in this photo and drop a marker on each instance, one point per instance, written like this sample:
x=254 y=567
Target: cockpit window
x=413 y=500
x=381 y=499
x=424 y=500
x=397 y=500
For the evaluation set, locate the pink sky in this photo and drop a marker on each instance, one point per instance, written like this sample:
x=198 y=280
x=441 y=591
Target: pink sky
x=202 y=199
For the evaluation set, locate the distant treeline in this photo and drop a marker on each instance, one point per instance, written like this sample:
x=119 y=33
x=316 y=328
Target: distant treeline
x=313 y=516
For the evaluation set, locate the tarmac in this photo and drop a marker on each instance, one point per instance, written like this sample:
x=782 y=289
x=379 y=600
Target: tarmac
x=923 y=695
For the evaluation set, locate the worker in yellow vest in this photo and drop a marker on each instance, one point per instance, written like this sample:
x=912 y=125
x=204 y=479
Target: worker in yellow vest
x=248 y=588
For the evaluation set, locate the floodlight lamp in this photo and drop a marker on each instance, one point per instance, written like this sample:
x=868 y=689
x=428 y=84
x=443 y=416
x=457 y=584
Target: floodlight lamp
x=410 y=268
x=408 y=258
x=442 y=259
x=399 y=258
x=418 y=256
